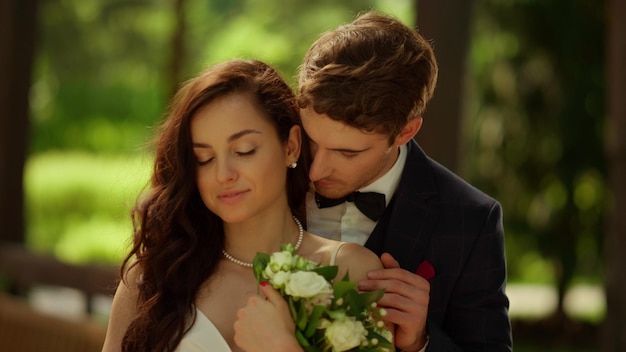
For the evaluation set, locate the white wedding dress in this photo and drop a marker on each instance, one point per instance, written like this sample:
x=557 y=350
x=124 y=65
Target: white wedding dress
x=203 y=337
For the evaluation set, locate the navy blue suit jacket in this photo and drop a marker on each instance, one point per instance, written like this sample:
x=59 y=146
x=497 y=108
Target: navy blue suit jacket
x=436 y=216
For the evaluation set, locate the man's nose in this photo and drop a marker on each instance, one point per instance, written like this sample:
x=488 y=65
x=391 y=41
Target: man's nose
x=320 y=167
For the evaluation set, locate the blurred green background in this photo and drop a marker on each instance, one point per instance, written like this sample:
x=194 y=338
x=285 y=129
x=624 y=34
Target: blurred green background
x=532 y=127
x=102 y=81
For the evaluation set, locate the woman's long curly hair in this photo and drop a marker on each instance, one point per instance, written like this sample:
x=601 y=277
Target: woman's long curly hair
x=177 y=241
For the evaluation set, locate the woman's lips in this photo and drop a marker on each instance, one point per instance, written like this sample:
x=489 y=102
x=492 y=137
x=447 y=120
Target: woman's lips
x=231 y=197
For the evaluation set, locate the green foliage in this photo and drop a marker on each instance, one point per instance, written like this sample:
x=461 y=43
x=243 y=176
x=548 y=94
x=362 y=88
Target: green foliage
x=101 y=81
x=276 y=32
x=96 y=119
x=539 y=131
x=78 y=204
x=99 y=74
x=103 y=66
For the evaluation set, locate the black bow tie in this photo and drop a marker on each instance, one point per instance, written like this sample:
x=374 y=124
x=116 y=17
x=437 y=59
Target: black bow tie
x=371 y=204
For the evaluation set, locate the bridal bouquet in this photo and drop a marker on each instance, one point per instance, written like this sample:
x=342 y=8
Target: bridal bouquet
x=329 y=316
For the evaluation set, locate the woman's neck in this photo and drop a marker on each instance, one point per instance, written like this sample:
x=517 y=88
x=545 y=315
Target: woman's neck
x=244 y=239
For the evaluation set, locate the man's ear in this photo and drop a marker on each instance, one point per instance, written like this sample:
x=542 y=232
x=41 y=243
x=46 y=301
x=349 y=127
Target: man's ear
x=293 y=145
x=409 y=131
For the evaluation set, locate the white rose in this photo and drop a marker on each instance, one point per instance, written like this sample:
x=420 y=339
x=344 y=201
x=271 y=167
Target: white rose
x=280 y=279
x=323 y=299
x=301 y=263
x=345 y=334
x=268 y=273
x=281 y=261
x=307 y=284
x=310 y=265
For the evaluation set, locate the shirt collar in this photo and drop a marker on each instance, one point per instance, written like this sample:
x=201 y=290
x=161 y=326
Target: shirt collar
x=388 y=183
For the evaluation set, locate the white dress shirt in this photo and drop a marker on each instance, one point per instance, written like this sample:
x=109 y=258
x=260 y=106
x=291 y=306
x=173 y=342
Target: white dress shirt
x=344 y=222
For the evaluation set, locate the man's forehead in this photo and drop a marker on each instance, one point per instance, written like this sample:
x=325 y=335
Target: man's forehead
x=336 y=135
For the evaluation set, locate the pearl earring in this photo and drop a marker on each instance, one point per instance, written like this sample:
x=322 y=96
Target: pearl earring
x=293 y=165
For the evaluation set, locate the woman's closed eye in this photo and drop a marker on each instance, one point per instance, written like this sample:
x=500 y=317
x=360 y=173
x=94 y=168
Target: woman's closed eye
x=237 y=153
x=204 y=162
x=246 y=153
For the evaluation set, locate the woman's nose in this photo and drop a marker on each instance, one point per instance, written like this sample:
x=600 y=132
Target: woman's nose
x=226 y=172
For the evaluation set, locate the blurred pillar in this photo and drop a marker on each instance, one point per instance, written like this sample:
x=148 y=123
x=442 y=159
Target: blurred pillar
x=446 y=23
x=17 y=47
x=614 y=331
x=177 y=57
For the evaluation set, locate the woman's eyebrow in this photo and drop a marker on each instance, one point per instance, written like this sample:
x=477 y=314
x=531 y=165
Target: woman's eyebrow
x=231 y=138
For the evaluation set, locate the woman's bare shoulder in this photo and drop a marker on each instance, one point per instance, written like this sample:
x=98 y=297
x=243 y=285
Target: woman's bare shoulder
x=357 y=261
x=123 y=309
x=356 y=253
x=349 y=257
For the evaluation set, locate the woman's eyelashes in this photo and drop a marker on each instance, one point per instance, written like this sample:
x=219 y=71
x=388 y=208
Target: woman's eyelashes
x=204 y=162
x=244 y=153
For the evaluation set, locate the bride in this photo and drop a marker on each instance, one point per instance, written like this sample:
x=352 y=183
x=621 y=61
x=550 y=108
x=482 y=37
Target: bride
x=229 y=180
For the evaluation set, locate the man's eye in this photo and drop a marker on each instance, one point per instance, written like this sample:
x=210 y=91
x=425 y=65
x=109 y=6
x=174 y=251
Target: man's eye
x=349 y=155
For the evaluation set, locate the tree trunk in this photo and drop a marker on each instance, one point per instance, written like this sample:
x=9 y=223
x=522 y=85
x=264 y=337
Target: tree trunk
x=178 y=47
x=614 y=334
x=17 y=47
x=447 y=24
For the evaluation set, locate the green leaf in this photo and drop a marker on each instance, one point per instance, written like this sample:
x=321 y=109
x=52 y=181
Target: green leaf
x=306 y=345
x=328 y=272
x=346 y=277
x=259 y=263
x=319 y=339
x=341 y=287
x=382 y=341
x=338 y=314
x=314 y=320
x=293 y=310
x=302 y=317
x=302 y=340
x=369 y=297
x=355 y=306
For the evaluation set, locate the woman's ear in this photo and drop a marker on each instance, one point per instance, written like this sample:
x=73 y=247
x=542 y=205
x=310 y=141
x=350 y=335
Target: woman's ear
x=293 y=145
x=409 y=131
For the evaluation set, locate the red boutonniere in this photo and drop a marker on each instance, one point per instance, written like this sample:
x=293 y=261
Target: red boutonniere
x=425 y=270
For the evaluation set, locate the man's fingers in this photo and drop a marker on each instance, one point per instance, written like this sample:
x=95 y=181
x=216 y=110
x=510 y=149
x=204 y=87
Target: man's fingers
x=392 y=270
x=388 y=261
x=390 y=278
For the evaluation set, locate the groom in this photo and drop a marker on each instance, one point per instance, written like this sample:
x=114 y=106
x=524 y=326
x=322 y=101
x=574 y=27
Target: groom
x=362 y=90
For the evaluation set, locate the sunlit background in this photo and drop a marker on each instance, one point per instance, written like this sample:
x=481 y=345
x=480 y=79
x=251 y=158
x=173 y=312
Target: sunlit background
x=532 y=128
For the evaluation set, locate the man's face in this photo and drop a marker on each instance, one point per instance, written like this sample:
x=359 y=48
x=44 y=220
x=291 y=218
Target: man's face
x=344 y=158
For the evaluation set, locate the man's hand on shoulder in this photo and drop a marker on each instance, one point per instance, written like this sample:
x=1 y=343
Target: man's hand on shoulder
x=406 y=301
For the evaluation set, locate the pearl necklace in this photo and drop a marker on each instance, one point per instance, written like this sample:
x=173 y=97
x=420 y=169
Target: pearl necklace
x=249 y=265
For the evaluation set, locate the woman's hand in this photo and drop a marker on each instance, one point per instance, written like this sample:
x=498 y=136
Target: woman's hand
x=266 y=324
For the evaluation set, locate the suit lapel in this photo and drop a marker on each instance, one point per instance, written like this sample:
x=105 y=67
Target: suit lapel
x=410 y=217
